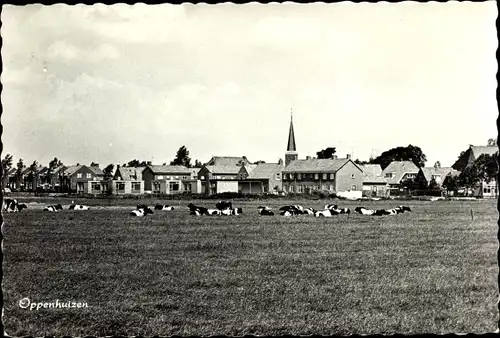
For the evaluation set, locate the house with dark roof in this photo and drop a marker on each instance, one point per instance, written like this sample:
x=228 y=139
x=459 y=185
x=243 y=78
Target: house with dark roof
x=398 y=171
x=260 y=178
x=438 y=174
x=220 y=174
x=333 y=175
x=126 y=180
x=170 y=179
x=374 y=183
x=82 y=178
x=467 y=158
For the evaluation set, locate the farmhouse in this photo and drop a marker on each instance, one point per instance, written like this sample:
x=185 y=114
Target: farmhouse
x=467 y=158
x=220 y=174
x=83 y=179
x=436 y=174
x=398 y=171
x=374 y=183
x=166 y=179
x=261 y=178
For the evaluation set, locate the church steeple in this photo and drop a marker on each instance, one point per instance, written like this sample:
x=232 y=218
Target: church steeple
x=291 y=136
x=291 y=150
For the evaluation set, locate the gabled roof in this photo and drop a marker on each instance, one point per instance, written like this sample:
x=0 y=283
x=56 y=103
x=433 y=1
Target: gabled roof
x=95 y=170
x=249 y=168
x=169 y=169
x=371 y=170
x=70 y=170
x=265 y=170
x=223 y=169
x=399 y=168
x=227 y=160
x=480 y=150
x=428 y=172
x=317 y=165
x=129 y=173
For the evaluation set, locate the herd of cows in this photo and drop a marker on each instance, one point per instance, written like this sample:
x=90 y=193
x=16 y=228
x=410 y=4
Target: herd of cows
x=225 y=208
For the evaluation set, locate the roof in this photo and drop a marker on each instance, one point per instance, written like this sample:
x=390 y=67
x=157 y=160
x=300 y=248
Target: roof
x=168 y=169
x=480 y=150
x=316 y=165
x=11 y=171
x=265 y=170
x=70 y=170
x=249 y=168
x=130 y=173
x=227 y=160
x=223 y=169
x=95 y=170
x=371 y=170
x=56 y=169
x=374 y=179
x=400 y=168
x=430 y=171
x=291 y=138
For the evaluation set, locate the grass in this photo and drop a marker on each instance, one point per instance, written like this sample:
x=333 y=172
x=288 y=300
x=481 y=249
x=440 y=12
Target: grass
x=430 y=271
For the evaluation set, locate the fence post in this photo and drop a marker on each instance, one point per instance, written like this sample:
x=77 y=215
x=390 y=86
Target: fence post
x=472 y=214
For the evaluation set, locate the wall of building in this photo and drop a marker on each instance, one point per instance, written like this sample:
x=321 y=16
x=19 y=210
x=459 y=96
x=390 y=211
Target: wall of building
x=251 y=187
x=74 y=179
x=349 y=177
x=226 y=186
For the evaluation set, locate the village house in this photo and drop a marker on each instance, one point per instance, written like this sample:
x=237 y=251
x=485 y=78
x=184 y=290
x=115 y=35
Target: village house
x=126 y=180
x=260 y=178
x=83 y=178
x=398 y=171
x=169 y=179
x=467 y=158
x=374 y=183
x=436 y=174
x=220 y=174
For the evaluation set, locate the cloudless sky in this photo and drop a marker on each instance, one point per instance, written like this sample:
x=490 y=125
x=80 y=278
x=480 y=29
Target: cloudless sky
x=113 y=83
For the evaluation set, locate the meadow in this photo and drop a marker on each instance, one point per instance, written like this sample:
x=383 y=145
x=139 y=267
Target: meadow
x=433 y=270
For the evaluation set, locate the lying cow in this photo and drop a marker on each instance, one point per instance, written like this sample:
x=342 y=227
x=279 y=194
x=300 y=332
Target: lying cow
x=291 y=210
x=335 y=210
x=53 y=208
x=308 y=211
x=197 y=211
x=229 y=212
x=323 y=213
x=9 y=205
x=364 y=211
x=214 y=212
x=265 y=211
x=164 y=207
x=223 y=205
x=140 y=212
x=78 y=207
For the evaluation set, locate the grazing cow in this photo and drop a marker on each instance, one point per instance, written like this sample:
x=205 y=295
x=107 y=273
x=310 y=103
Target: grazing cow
x=9 y=205
x=364 y=211
x=53 y=208
x=78 y=207
x=223 y=205
x=21 y=206
x=164 y=207
x=213 y=212
x=265 y=211
x=323 y=213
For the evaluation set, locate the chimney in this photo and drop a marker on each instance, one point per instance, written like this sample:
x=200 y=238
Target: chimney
x=348 y=156
x=95 y=165
x=280 y=161
x=148 y=162
x=308 y=157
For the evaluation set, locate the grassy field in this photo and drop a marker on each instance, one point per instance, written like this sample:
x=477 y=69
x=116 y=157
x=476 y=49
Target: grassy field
x=430 y=271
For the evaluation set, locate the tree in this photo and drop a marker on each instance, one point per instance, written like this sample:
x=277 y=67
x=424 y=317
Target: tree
x=451 y=183
x=469 y=177
x=136 y=163
x=52 y=166
x=487 y=167
x=197 y=164
x=33 y=175
x=108 y=171
x=182 y=157
x=259 y=162
x=326 y=153
x=359 y=162
x=19 y=170
x=433 y=185
x=409 y=153
x=492 y=142
x=6 y=166
x=437 y=164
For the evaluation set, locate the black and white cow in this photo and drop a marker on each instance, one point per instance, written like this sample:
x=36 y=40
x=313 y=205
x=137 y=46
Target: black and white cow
x=335 y=210
x=21 y=206
x=78 y=207
x=265 y=211
x=214 y=212
x=236 y=211
x=291 y=210
x=308 y=211
x=53 y=208
x=11 y=205
x=164 y=207
x=196 y=210
x=140 y=212
x=223 y=205
x=364 y=211
x=323 y=213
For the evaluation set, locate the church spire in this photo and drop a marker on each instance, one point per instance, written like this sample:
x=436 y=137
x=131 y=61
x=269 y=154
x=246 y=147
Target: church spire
x=291 y=136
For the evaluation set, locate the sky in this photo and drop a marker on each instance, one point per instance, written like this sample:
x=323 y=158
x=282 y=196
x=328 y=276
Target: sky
x=109 y=84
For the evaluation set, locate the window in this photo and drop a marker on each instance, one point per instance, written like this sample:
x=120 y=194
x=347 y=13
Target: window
x=325 y=176
x=331 y=188
x=156 y=186
x=187 y=187
x=437 y=178
x=89 y=175
x=96 y=187
x=323 y=187
x=159 y=177
x=79 y=175
x=176 y=177
x=332 y=176
x=353 y=176
x=487 y=190
x=299 y=176
x=299 y=188
x=120 y=187
x=278 y=176
x=136 y=186
x=285 y=188
x=202 y=177
x=292 y=188
x=79 y=187
x=353 y=187
x=174 y=186
x=291 y=176
x=388 y=175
